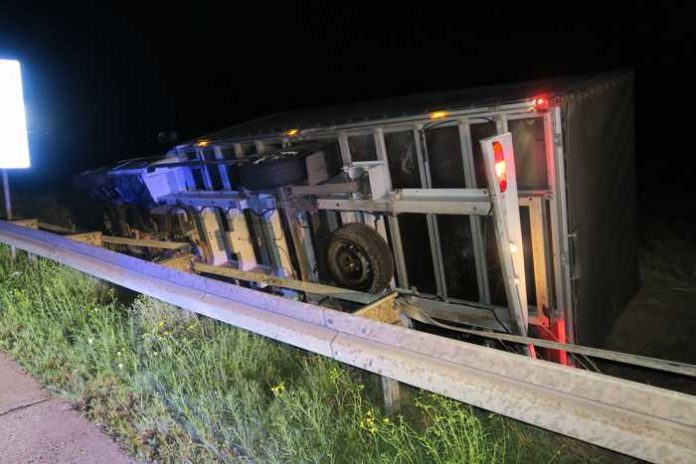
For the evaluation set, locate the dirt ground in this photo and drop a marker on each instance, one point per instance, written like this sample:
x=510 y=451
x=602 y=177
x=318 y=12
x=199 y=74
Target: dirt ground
x=36 y=428
x=660 y=321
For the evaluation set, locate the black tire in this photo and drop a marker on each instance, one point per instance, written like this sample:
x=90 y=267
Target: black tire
x=273 y=173
x=359 y=258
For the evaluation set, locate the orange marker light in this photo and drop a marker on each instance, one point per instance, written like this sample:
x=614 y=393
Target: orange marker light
x=292 y=132
x=438 y=115
x=203 y=143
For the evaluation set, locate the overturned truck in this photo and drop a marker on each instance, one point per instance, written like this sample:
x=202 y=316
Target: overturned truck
x=508 y=209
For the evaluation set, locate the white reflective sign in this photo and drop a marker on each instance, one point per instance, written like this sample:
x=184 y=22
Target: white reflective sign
x=14 y=145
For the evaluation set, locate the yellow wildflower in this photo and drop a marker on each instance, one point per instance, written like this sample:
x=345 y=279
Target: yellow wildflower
x=278 y=389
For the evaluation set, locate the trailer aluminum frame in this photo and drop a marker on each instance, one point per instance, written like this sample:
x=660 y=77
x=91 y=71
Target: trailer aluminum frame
x=428 y=200
x=421 y=168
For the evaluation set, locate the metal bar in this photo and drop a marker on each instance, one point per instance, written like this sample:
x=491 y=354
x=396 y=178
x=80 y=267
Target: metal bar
x=6 y=195
x=493 y=318
x=300 y=236
x=8 y=203
x=424 y=174
x=674 y=367
x=438 y=258
x=526 y=195
x=205 y=173
x=398 y=248
x=559 y=218
x=476 y=223
x=276 y=244
x=452 y=194
x=309 y=133
x=344 y=146
x=433 y=231
x=325 y=189
x=293 y=284
x=501 y=125
x=258 y=235
x=387 y=125
x=394 y=229
x=379 y=189
x=220 y=200
x=395 y=205
x=238 y=150
x=332 y=220
x=639 y=420
x=260 y=146
x=144 y=243
x=345 y=149
x=222 y=169
x=381 y=149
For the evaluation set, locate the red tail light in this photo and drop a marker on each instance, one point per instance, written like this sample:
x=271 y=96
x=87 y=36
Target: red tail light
x=500 y=171
x=541 y=103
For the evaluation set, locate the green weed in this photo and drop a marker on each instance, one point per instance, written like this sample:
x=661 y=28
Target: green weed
x=174 y=387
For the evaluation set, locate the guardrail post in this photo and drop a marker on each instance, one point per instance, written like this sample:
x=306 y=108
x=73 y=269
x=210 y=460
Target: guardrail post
x=392 y=395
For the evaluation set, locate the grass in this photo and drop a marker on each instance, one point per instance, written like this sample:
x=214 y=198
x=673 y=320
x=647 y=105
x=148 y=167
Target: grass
x=174 y=387
x=668 y=253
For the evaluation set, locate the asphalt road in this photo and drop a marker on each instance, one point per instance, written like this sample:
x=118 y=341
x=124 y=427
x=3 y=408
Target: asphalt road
x=36 y=428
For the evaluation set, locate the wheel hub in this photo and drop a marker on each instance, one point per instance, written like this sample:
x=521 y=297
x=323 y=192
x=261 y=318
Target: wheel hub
x=354 y=263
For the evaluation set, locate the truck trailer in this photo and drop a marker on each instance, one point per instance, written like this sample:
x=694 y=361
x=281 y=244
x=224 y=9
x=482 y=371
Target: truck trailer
x=509 y=209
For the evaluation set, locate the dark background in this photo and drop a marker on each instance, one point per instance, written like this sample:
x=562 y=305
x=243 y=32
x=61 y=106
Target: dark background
x=102 y=81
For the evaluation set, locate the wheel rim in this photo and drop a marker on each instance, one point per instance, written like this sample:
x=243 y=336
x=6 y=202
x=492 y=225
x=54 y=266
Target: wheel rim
x=353 y=265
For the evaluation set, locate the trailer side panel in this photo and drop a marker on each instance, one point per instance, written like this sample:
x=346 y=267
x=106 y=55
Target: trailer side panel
x=598 y=125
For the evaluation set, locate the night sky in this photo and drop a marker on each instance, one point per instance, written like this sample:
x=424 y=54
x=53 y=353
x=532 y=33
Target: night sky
x=102 y=81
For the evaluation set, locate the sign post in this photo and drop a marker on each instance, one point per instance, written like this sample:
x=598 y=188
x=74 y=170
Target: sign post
x=14 y=143
x=6 y=195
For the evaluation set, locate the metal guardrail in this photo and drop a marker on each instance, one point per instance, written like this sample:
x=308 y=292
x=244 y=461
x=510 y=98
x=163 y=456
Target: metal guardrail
x=639 y=420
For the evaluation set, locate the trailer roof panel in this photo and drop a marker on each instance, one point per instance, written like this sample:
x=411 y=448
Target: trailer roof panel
x=409 y=105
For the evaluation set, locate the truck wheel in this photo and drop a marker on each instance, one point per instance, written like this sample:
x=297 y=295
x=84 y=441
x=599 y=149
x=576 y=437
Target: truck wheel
x=273 y=173
x=359 y=258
